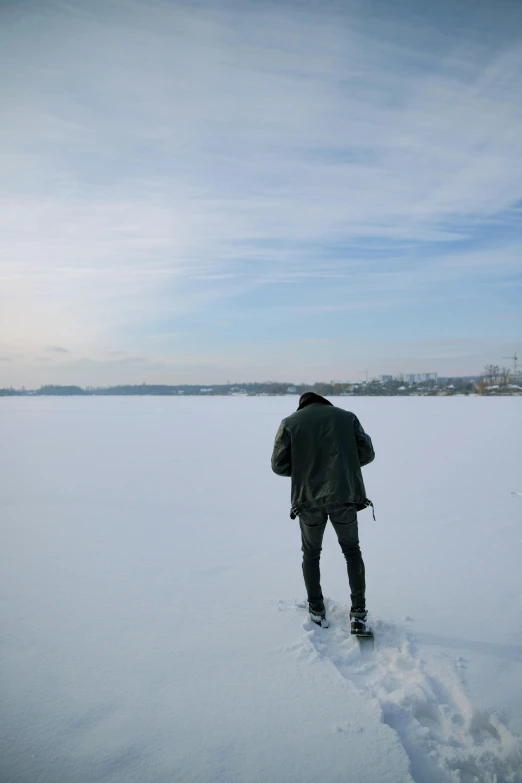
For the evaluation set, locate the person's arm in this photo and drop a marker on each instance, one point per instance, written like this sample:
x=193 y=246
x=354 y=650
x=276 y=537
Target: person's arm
x=364 y=444
x=281 y=455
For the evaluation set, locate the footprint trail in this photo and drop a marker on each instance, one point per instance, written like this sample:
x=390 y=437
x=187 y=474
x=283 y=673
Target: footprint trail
x=421 y=697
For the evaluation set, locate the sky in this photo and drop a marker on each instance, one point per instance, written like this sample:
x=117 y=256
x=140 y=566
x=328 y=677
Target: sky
x=203 y=192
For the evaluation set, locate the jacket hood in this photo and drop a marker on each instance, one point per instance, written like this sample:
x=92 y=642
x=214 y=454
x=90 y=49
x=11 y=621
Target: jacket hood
x=309 y=398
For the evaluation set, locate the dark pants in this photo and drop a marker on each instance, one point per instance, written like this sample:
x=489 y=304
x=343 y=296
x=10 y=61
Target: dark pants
x=312 y=525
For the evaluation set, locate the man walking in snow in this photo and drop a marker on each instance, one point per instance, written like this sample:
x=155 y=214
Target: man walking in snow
x=322 y=448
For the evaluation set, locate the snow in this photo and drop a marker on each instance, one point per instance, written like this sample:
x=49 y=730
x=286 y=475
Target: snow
x=152 y=605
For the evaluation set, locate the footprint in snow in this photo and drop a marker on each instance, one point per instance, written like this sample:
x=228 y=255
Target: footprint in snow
x=421 y=697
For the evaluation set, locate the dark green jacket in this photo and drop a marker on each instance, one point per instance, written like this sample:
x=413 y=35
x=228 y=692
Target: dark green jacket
x=322 y=448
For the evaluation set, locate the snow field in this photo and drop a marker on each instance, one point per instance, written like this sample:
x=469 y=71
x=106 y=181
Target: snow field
x=421 y=697
x=147 y=599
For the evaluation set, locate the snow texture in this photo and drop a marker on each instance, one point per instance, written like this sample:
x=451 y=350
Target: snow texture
x=154 y=620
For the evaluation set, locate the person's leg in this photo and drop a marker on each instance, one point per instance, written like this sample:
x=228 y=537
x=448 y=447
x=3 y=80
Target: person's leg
x=344 y=521
x=312 y=525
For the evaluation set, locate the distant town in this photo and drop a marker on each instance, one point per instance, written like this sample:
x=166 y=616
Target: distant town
x=494 y=381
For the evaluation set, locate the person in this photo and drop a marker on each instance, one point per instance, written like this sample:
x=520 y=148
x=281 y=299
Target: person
x=322 y=448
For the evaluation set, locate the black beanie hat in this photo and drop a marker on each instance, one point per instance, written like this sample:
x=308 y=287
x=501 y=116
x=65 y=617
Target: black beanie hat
x=308 y=398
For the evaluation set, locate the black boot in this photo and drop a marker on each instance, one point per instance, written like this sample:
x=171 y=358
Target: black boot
x=318 y=616
x=358 y=616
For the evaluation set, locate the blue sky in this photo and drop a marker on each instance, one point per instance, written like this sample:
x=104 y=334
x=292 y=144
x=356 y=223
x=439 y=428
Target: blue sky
x=213 y=191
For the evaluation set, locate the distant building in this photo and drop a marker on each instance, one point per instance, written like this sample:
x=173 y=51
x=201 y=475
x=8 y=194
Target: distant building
x=385 y=378
x=291 y=390
x=421 y=377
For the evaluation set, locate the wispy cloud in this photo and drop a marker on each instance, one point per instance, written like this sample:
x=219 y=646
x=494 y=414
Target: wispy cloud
x=56 y=349
x=213 y=162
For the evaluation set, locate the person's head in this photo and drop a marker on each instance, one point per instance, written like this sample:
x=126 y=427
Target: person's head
x=308 y=398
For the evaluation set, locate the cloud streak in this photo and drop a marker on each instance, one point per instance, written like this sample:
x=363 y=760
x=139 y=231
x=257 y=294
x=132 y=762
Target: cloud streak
x=167 y=162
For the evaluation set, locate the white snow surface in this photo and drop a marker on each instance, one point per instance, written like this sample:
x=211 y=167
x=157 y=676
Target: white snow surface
x=153 y=613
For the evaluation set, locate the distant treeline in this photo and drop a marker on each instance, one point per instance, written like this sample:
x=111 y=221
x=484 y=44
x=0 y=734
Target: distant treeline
x=394 y=387
x=165 y=390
